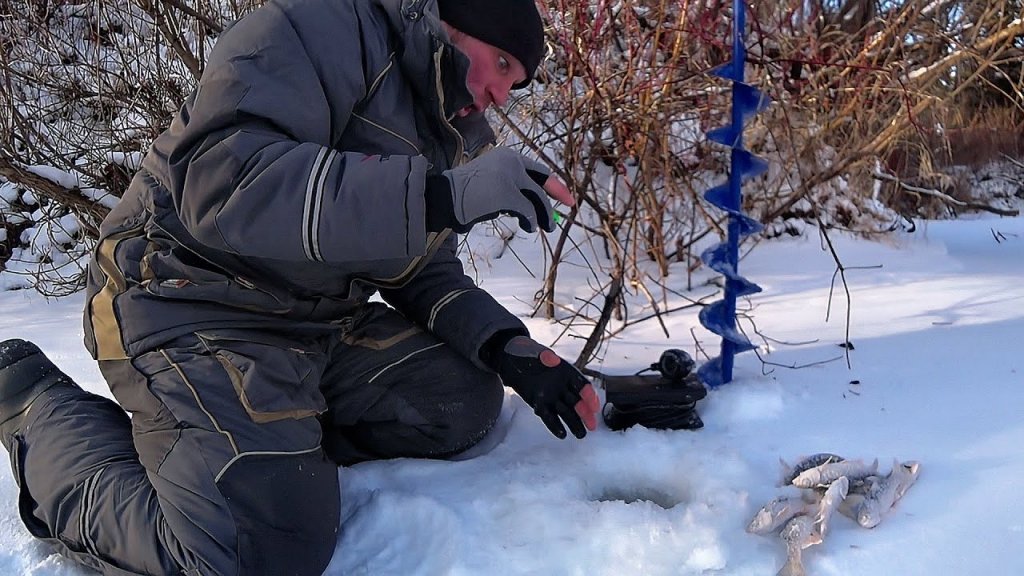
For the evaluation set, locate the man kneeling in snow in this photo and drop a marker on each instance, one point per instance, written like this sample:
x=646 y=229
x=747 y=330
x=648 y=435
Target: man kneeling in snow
x=330 y=151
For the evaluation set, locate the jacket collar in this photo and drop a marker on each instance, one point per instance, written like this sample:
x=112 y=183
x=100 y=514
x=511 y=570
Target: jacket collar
x=476 y=132
x=417 y=25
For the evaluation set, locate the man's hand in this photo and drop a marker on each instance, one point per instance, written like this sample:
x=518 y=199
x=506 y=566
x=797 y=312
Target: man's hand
x=556 y=390
x=500 y=181
x=558 y=191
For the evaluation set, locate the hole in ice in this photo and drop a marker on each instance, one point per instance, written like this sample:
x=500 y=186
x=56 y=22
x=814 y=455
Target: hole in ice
x=632 y=494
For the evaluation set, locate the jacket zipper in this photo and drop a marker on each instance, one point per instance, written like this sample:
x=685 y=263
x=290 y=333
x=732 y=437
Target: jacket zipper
x=459 y=142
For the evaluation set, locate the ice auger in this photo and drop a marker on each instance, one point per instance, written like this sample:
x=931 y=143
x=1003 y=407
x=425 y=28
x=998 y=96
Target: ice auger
x=668 y=398
x=720 y=316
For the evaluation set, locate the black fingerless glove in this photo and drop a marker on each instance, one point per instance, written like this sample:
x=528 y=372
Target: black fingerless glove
x=549 y=384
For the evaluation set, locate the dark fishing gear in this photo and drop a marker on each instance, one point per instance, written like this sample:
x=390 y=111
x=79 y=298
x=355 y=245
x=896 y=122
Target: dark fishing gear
x=665 y=400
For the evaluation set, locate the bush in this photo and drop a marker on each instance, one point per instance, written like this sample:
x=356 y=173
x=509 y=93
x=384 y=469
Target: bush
x=873 y=103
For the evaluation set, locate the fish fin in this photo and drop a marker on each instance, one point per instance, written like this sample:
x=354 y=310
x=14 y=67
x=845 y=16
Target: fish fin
x=784 y=473
x=817 y=535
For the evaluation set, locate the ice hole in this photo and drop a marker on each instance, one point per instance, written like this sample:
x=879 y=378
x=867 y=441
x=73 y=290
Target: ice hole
x=633 y=494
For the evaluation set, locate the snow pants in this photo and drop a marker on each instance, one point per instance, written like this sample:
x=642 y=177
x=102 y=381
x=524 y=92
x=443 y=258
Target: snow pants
x=228 y=464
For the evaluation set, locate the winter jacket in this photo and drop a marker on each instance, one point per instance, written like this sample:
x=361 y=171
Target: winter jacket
x=290 y=186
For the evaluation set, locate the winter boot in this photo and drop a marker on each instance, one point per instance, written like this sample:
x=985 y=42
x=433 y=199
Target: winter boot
x=25 y=374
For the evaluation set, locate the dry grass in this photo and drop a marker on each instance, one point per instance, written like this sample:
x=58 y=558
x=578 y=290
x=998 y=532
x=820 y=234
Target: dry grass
x=859 y=115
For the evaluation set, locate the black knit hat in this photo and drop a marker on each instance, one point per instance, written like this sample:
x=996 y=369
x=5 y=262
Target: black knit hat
x=512 y=25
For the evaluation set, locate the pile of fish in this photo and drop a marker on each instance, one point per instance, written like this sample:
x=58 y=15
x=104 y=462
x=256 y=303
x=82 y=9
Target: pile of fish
x=828 y=483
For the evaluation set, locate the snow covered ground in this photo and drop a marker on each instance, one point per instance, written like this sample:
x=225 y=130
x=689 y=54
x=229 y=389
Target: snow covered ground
x=937 y=325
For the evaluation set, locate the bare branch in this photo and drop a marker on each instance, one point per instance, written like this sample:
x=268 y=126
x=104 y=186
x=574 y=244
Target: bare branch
x=944 y=197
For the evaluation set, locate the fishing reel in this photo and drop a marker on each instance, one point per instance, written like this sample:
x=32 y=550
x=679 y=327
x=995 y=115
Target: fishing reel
x=666 y=400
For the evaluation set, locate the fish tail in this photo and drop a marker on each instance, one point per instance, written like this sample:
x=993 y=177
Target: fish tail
x=793 y=567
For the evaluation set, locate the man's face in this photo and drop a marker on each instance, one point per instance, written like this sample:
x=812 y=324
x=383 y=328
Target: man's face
x=492 y=73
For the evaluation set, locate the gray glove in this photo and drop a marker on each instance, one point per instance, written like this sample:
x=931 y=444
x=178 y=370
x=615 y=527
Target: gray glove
x=500 y=181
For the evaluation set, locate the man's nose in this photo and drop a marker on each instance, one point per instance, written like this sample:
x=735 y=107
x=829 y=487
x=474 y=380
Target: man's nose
x=499 y=93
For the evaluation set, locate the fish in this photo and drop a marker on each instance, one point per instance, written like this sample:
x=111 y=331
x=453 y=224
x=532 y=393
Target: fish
x=863 y=485
x=855 y=495
x=775 y=513
x=825 y=474
x=791 y=472
x=868 y=512
x=834 y=496
x=798 y=534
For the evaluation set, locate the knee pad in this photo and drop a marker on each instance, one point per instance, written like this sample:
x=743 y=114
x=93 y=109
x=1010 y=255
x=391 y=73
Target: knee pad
x=287 y=511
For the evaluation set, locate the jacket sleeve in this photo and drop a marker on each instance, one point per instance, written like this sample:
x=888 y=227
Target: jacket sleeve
x=445 y=301
x=250 y=165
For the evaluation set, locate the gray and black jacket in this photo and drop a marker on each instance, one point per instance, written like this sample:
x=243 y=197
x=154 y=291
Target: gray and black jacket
x=290 y=186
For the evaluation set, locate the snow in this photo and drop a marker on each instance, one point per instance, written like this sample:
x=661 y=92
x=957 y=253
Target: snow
x=72 y=181
x=936 y=322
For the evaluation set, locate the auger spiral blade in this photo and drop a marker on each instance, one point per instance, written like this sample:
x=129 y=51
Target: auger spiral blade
x=720 y=317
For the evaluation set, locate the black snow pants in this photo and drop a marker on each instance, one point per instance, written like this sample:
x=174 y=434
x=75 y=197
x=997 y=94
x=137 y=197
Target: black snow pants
x=228 y=464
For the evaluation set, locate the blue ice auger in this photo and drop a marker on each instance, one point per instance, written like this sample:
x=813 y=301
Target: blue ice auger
x=720 y=316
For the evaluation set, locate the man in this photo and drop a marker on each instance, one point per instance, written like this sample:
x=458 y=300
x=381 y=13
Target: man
x=327 y=155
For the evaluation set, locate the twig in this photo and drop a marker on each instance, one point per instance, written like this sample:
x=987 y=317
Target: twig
x=49 y=189
x=841 y=271
x=796 y=366
x=943 y=196
x=610 y=301
x=1014 y=161
x=654 y=304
